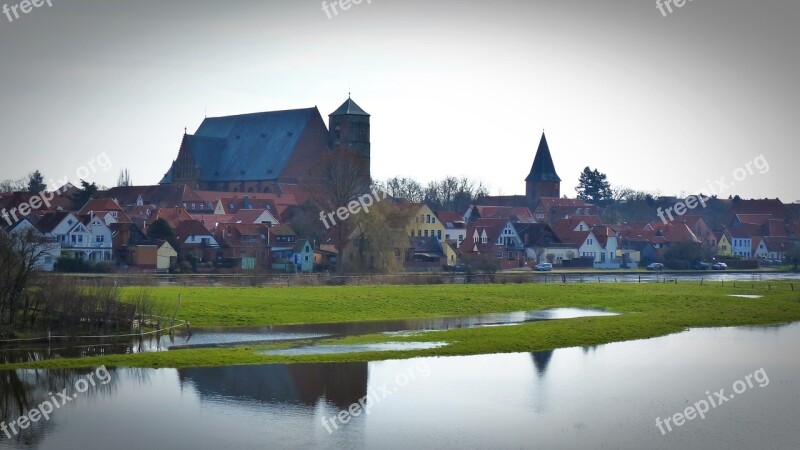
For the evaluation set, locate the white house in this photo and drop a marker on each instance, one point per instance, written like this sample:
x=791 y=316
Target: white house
x=742 y=243
x=89 y=239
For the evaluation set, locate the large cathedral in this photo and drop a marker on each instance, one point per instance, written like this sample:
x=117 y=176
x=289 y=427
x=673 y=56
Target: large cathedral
x=258 y=152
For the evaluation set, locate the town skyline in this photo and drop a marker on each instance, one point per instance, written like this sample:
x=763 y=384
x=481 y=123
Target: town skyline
x=657 y=103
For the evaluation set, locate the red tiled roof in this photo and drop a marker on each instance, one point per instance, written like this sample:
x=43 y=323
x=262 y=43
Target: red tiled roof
x=191 y=228
x=449 y=216
x=505 y=212
x=773 y=207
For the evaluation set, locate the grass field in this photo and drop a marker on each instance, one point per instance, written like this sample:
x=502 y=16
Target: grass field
x=647 y=310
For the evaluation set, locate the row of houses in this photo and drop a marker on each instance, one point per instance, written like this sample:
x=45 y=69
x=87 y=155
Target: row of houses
x=255 y=231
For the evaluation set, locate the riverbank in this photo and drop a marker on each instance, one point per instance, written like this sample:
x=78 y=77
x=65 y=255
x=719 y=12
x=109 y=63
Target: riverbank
x=646 y=310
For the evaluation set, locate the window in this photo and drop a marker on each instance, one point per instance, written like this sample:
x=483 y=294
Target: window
x=499 y=255
x=439 y=234
x=100 y=239
x=428 y=218
x=426 y=233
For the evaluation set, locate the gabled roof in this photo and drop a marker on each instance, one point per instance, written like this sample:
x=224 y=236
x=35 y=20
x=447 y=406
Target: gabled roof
x=349 y=108
x=518 y=213
x=48 y=222
x=758 y=219
x=284 y=229
x=492 y=227
x=99 y=204
x=777 y=244
x=251 y=215
x=425 y=245
x=775 y=227
x=774 y=207
x=191 y=228
x=555 y=202
x=449 y=218
x=173 y=216
x=246 y=147
x=543 y=168
x=602 y=233
x=679 y=232
x=233 y=205
x=744 y=231
x=564 y=228
x=160 y=196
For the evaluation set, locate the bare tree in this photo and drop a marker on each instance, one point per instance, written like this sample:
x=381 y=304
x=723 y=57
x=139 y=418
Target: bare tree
x=343 y=178
x=22 y=253
x=124 y=179
x=14 y=185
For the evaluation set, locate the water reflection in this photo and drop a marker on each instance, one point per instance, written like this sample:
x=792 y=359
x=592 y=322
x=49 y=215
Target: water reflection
x=217 y=337
x=300 y=384
x=541 y=360
x=594 y=397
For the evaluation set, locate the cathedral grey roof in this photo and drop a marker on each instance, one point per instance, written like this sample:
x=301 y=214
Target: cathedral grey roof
x=247 y=147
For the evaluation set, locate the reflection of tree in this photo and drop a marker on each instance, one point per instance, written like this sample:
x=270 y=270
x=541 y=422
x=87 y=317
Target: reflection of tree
x=541 y=360
x=342 y=384
x=22 y=390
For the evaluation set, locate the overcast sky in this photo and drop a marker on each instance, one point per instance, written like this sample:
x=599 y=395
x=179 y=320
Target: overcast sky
x=458 y=88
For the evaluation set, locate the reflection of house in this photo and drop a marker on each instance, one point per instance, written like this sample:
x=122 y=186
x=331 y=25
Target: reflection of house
x=341 y=384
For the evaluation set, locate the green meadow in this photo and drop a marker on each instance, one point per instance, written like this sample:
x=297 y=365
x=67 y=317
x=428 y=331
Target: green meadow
x=646 y=310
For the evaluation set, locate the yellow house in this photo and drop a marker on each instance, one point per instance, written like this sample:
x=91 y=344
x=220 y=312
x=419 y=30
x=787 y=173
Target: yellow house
x=723 y=244
x=424 y=223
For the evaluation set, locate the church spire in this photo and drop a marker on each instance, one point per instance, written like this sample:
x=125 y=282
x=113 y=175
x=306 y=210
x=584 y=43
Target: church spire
x=543 y=168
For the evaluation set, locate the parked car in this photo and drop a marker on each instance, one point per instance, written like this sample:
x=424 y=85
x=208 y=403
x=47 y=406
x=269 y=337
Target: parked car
x=460 y=267
x=543 y=267
x=701 y=266
x=655 y=266
x=719 y=266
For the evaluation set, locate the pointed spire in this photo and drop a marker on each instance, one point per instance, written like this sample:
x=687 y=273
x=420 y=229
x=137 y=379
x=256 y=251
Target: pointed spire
x=543 y=168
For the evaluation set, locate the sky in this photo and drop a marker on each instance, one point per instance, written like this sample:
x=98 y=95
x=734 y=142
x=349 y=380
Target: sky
x=667 y=103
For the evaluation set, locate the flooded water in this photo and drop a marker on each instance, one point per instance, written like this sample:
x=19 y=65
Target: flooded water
x=214 y=337
x=608 y=396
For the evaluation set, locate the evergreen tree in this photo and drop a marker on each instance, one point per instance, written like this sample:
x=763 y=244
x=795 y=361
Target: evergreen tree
x=593 y=187
x=36 y=183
